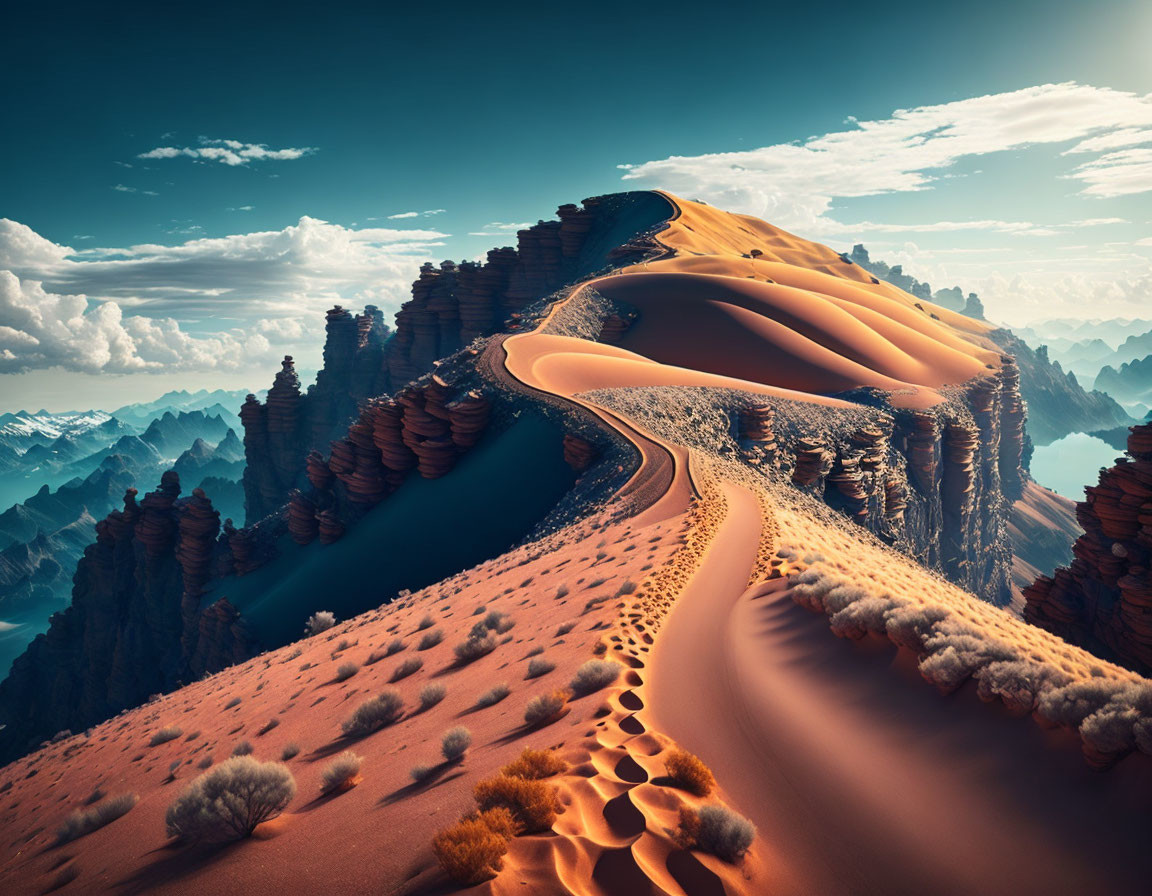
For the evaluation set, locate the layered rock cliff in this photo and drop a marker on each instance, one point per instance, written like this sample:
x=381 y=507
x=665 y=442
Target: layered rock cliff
x=451 y=305
x=1103 y=600
x=135 y=626
x=938 y=483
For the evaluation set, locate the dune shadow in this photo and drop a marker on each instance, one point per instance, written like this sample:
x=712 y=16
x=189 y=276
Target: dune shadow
x=440 y=775
x=180 y=862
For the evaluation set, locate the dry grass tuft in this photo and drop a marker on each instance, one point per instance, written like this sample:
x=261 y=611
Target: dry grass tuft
x=546 y=708
x=534 y=804
x=342 y=773
x=534 y=765
x=716 y=830
x=689 y=773
x=374 y=714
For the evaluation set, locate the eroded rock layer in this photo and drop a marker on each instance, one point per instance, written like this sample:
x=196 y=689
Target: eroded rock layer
x=1103 y=600
x=135 y=626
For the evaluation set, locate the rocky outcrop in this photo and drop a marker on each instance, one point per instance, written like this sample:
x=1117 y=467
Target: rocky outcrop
x=134 y=627
x=1103 y=600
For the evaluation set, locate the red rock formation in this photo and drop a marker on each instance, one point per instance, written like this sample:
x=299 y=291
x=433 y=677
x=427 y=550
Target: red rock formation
x=134 y=625
x=198 y=527
x=1012 y=416
x=920 y=437
x=579 y=453
x=302 y=524
x=1103 y=601
x=813 y=462
x=331 y=529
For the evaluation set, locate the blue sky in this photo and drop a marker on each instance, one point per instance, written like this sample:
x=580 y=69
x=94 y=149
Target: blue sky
x=191 y=186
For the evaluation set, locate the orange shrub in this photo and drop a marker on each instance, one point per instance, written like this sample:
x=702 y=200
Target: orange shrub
x=535 y=764
x=470 y=852
x=689 y=773
x=533 y=804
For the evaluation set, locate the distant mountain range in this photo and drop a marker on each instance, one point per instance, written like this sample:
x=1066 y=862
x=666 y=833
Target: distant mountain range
x=1113 y=356
x=61 y=472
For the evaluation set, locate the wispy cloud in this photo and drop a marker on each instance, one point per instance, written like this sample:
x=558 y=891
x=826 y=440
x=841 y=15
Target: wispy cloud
x=795 y=184
x=1019 y=228
x=423 y=214
x=241 y=208
x=130 y=309
x=121 y=188
x=228 y=152
x=497 y=228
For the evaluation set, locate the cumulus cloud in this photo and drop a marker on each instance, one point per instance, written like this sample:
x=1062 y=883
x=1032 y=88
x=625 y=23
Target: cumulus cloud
x=794 y=184
x=228 y=152
x=220 y=303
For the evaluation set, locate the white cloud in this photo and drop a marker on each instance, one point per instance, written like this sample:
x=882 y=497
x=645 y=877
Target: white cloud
x=794 y=184
x=424 y=214
x=1019 y=228
x=496 y=228
x=120 y=188
x=241 y=208
x=154 y=307
x=1118 y=173
x=228 y=152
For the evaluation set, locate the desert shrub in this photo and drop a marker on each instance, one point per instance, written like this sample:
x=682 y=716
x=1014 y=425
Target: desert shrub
x=204 y=763
x=268 y=726
x=716 y=830
x=422 y=772
x=374 y=714
x=318 y=622
x=1074 y=703
x=346 y=670
x=431 y=694
x=533 y=804
x=546 y=707
x=430 y=639
x=474 y=646
x=244 y=748
x=594 y=675
x=689 y=773
x=229 y=802
x=164 y=735
x=341 y=772
x=426 y=622
x=235 y=701
x=410 y=666
x=956 y=651
x=1017 y=683
x=535 y=651
x=538 y=666
x=564 y=629
x=394 y=646
x=94 y=797
x=84 y=821
x=343 y=645
x=866 y=616
x=911 y=626
x=534 y=765
x=498 y=622
x=470 y=852
x=493 y=695
x=455 y=743
x=290 y=751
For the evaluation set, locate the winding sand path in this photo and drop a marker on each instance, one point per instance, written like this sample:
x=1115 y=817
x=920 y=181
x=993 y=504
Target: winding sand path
x=863 y=777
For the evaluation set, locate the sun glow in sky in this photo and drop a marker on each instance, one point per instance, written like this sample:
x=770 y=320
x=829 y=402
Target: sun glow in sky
x=184 y=190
